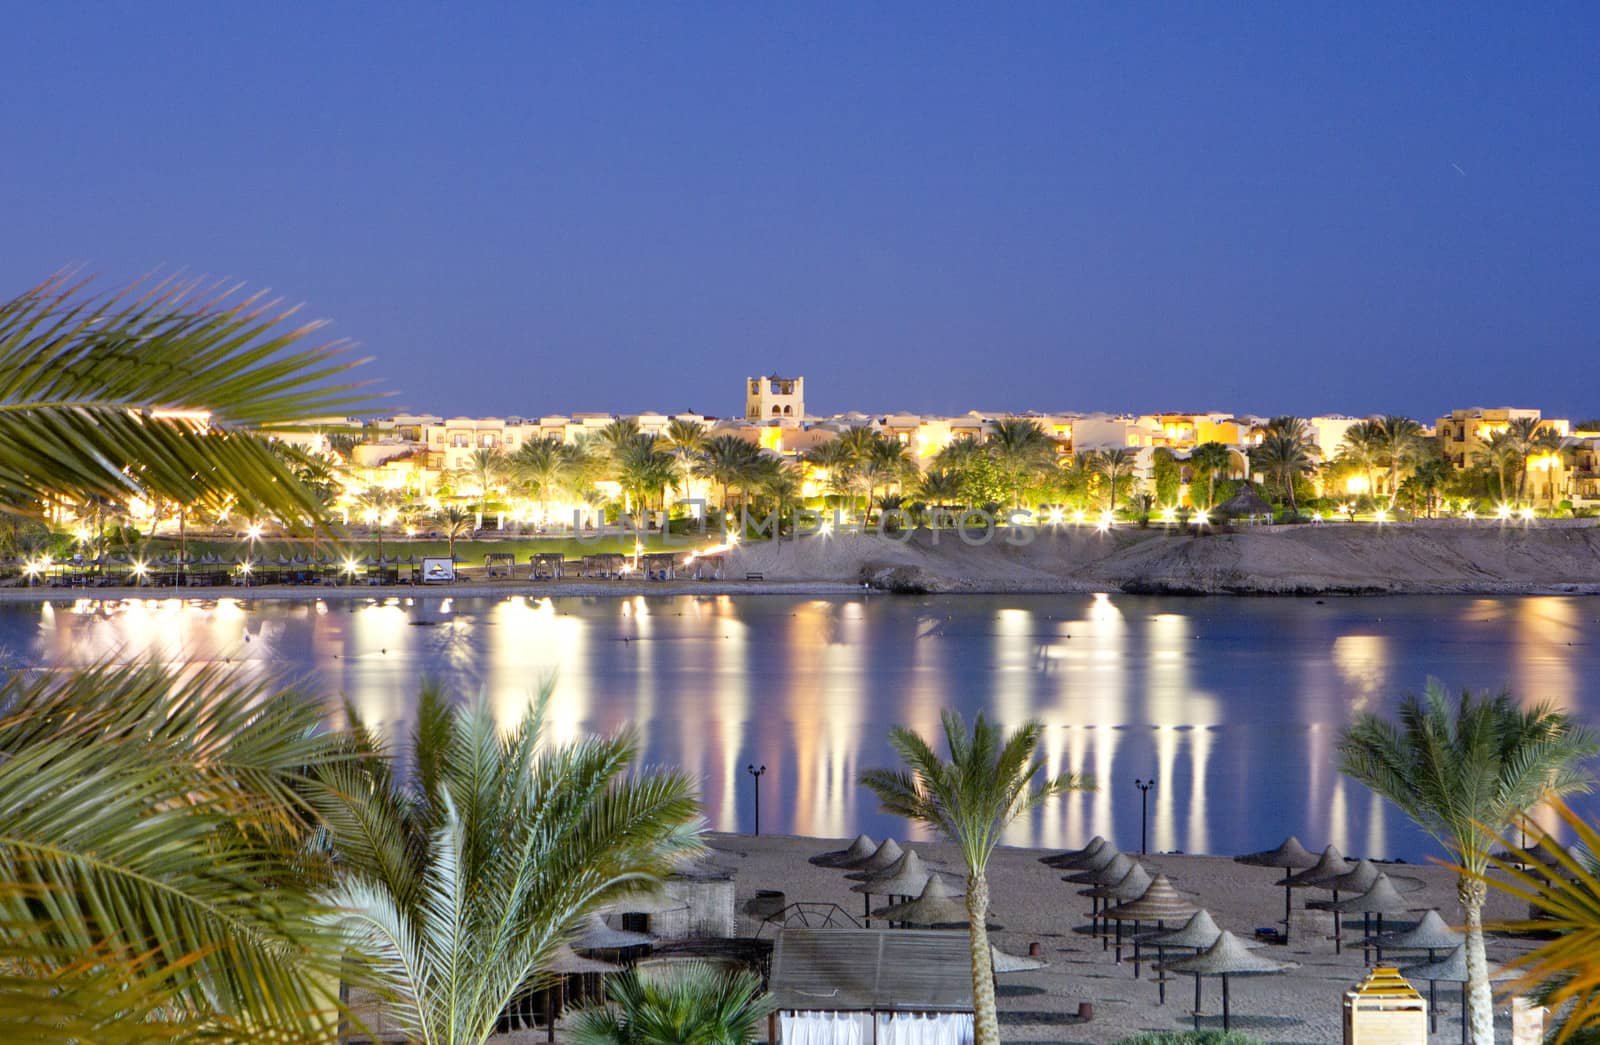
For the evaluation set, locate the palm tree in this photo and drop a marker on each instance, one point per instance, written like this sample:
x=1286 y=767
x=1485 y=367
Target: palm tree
x=886 y=464
x=1023 y=450
x=455 y=521
x=146 y=816
x=780 y=480
x=1114 y=464
x=686 y=441
x=696 y=1003
x=728 y=462
x=1362 y=449
x=485 y=467
x=644 y=470
x=940 y=487
x=377 y=505
x=1527 y=439
x=834 y=458
x=1461 y=771
x=1208 y=459
x=1500 y=452
x=1567 y=893
x=1284 y=457
x=159 y=390
x=970 y=799
x=1399 y=445
x=618 y=434
x=544 y=466
x=465 y=872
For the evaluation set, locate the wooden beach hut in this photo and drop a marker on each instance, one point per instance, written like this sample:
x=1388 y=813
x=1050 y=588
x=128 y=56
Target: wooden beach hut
x=547 y=566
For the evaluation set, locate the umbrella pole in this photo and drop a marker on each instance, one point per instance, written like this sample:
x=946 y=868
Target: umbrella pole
x=1135 y=948
x=1119 y=941
x=1225 y=1017
x=1338 y=929
x=1377 y=941
x=1366 y=937
x=1288 y=904
x=1161 y=976
x=1433 y=1000
x=1197 y=1001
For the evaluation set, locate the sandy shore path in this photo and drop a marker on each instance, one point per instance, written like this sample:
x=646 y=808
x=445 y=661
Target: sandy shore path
x=1034 y=906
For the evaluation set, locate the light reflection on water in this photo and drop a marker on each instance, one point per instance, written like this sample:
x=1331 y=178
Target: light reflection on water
x=1233 y=705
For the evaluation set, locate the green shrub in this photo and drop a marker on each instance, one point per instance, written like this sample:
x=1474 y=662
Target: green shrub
x=1191 y=1037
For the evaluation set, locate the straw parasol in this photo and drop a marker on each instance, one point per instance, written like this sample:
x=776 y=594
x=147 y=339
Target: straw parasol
x=596 y=935
x=1102 y=856
x=1329 y=865
x=1068 y=859
x=1108 y=873
x=1004 y=962
x=859 y=849
x=936 y=907
x=1431 y=934
x=1226 y=957
x=1130 y=886
x=1291 y=856
x=905 y=877
x=1360 y=878
x=1198 y=933
x=888 y=852
x=1159 y=903
x=564 y=961
x=1381 y=898
x=1452 y=968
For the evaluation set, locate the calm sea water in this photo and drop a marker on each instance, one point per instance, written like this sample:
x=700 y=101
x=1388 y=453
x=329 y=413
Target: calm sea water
x=1233 y=706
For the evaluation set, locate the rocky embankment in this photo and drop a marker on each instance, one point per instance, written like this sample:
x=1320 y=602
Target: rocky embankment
x=1478 y=558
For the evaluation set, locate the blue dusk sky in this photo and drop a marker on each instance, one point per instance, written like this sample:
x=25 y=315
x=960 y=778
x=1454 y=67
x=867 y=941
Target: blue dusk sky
x=531 y=208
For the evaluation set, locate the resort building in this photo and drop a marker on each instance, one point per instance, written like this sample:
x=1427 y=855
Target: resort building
x=1463 y=434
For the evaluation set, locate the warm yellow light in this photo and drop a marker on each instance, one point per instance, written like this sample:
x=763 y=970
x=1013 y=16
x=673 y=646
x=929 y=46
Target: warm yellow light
x=1170 y=515
x=825 y=528
x=253 y=531
x=350 y=566
x=1470 y=514
x=1078 y=516
x=1503 y=512
x=1201 y=518
x=1382 y=515
x=1527 y=514
x=245 y=567
x=139 y=568
x=1356 y=485
x=1057 y=516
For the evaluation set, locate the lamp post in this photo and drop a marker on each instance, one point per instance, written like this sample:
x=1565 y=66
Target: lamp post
x=756 y=773
x=1144 y=787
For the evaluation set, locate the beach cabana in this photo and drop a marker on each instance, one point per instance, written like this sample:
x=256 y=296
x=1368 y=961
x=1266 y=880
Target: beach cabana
x=857 y=986
x=605 y=566
x=499 y=564
x=659 y=566
x=1289 y=856
x=1245 y=504
x=858 y=850
x=1227 y=957
x=546 y=566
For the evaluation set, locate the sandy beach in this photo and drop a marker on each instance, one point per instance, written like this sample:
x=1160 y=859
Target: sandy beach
x=1302 y=1007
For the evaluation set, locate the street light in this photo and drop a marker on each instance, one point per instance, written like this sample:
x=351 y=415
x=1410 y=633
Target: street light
x=756 y=773
x=1144 y=787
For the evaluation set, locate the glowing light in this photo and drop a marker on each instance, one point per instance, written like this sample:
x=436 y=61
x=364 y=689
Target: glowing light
x=1201 y=517
x=1357 y=484
x=1527 y=515
x=1057 y=517
x=351 y=566
x=1381 y=515
x=1469 y=514
x=1316 y=516
x=253 y=531
x=140 y=568
x=1106 y=518
x=1503 y=511
x=1169 y=515
x=1078 y=516
x=246 y=568
x=825 y=528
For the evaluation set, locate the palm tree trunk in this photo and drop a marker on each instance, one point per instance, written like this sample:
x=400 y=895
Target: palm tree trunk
x=986 y=1024
x=1480 y=1005
x=1211 y=488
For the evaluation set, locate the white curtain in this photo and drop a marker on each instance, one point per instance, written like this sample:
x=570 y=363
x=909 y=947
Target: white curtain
x=825 y=1028
x=918 y=1028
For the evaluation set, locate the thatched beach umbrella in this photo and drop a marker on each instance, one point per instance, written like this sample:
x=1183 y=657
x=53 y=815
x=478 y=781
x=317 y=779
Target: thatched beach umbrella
x=1070 y=858
x=1159 y=903
x=888 y=852
x=1330 y=864
x=1291 y=856
x=936 y=907
x=1196 y=934
x=1130 y=886
x=1226 y=957
x=1246 y=502
x=1356 y=880
x=859 y=849
x=1431 y=934
x=906 y=878
x=1110 y=872
x=564 y=961
x=596 y=935
x=1452 y=968
x=1381 y=898
x=1004 y=962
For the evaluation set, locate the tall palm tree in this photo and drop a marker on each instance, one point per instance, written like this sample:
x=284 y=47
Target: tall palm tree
x=545 y=467
x=377 y=504
x=466 y=871
x=833 y=457
x=1501 y=451
x=696 y=1003
x=728 y=462
x=618 y=434
x=486 y=467
x=1285 y=458
x=987 y=783
x=1362 y=449
x=154 y=879
x=1400 y=443
x=1463 y=772
x=160 y=390
x=644 y=470
x=686 y=441
x=1208 y=459
x=940 y=487
x=1113 y=464
x=454 y=521
x=1527 y=438
x=1023 y=450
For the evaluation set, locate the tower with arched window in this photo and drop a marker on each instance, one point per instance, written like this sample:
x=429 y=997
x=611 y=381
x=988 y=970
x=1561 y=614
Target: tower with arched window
x=773 y=399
